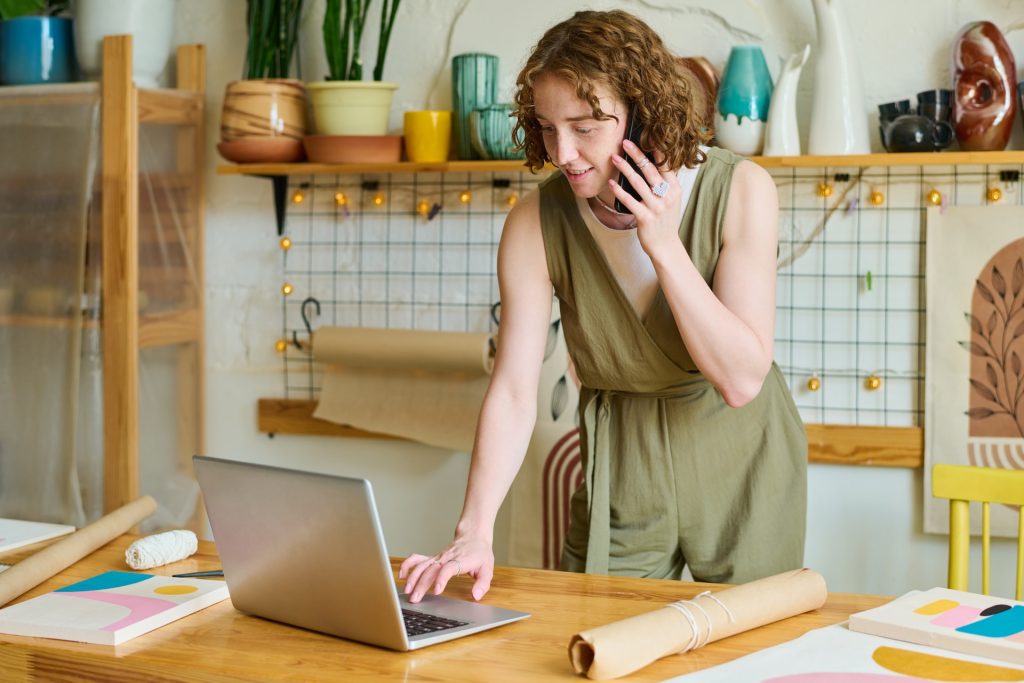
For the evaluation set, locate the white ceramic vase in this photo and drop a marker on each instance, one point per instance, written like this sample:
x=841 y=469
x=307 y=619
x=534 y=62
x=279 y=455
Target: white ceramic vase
x=149 y=22
x=782 y=135
x=839 y=116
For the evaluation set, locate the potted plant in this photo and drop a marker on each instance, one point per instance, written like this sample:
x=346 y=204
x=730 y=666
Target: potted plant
x=344 y=104
x=35 y=44
x=150 y=23
x=264 y=114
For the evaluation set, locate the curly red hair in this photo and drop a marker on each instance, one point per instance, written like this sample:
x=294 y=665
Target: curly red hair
x=622 y=53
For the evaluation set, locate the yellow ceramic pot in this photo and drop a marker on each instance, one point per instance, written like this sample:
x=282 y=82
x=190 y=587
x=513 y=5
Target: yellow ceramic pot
x=427 y=135
x=351 y=107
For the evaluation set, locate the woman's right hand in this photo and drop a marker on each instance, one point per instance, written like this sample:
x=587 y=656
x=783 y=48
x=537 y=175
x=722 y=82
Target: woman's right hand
x=466 y=555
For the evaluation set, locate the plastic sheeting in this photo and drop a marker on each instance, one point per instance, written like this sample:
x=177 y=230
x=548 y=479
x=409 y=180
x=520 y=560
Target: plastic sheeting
x=47 y=171
x=51 y=395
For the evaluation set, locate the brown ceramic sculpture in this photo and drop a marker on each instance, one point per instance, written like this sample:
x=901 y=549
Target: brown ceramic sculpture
x=705 y=80
x=984 y=82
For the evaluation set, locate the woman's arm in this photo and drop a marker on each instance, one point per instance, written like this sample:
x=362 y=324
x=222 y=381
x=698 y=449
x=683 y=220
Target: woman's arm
x=509 y=408
x=728 y=328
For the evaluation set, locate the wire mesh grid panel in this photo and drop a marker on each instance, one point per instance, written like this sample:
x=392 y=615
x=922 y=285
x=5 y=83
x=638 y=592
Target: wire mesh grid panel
x=850 y=302
x=419 y=251
x=407 y=251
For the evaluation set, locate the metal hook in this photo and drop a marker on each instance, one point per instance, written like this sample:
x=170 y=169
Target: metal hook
x=305 y=318
x=496 y=313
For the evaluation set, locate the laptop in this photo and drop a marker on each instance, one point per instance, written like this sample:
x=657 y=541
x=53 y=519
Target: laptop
x=306 y=549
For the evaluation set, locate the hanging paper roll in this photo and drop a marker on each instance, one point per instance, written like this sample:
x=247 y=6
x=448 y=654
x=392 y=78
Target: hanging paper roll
x=422 y=385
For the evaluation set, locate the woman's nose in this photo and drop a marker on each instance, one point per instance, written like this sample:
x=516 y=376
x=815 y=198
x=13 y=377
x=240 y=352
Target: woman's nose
x=565 y=150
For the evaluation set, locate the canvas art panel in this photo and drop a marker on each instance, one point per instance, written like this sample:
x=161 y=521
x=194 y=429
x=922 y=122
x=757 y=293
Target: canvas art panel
x=974 y=366
x=836 y=654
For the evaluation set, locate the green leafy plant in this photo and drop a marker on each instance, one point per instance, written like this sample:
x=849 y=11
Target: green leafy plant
x=344 y=21
x=273 y=29
x=12 y=9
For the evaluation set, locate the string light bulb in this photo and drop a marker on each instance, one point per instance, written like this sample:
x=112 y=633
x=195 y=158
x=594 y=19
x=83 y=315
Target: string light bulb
x=993 y=194
x=512 y=199
x=876 y=198
x=824 y=190
x=813 y=384
x=285 y=243
x=280 y=346
x=378 y=199
x=423 y=208
x=934 y=197
x=465 y=196
x=287 y=288
x=873 y=382
x=298 y=197
x=341 y=199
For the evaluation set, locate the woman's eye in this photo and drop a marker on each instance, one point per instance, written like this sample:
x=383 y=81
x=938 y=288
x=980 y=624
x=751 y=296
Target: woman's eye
x=584 y=131
x=546 y=130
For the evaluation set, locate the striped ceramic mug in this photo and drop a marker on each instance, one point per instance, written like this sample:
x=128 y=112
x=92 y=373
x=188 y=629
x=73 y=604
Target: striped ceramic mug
x=269 y=108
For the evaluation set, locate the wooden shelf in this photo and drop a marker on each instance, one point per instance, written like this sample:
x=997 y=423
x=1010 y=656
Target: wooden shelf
x=309 y=168
x=857 y=160
x=826 y=444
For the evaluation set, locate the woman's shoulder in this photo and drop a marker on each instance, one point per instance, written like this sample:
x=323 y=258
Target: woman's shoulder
x=741 y=171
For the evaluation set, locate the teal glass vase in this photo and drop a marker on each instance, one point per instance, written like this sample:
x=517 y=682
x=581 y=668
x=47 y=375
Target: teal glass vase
x=743 y=100
x=474 y=86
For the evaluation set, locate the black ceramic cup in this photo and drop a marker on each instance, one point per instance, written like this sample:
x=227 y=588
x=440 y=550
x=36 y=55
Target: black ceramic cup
x=937 y=96
x=887 y=111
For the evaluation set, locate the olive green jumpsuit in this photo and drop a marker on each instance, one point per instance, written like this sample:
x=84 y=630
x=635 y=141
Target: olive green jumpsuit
x=672 y=475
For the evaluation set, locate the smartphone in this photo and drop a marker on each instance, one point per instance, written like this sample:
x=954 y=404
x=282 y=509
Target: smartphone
x=634 y=127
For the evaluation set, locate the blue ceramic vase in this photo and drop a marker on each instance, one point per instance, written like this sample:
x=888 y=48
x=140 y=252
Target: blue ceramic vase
x=743 y=100
x=36 y=50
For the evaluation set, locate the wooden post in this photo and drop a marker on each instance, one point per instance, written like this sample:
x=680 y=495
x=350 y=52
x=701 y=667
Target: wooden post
x=191 y=373
x=120 y=278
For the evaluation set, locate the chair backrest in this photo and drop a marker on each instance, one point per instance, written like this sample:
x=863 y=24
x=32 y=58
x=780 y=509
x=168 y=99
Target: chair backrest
x=963 y=484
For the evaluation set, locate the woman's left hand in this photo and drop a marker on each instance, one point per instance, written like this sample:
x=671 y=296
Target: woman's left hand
x=657 y=214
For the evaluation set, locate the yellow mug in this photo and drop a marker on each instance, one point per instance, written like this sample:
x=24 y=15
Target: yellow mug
x=427 y=134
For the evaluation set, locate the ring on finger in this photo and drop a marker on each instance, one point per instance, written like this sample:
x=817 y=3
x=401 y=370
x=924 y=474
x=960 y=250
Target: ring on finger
x=458 y=567
x=661 y=189
x=643 y=163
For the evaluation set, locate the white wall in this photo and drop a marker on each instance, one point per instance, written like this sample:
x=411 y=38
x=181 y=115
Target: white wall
x=863 y=522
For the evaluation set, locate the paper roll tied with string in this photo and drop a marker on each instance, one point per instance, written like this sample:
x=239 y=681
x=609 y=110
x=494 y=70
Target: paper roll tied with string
x=622 y=647
x=60 y=555
x=422 y=385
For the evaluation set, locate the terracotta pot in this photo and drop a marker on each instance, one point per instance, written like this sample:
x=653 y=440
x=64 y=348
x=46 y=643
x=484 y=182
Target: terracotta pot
x=271 y=108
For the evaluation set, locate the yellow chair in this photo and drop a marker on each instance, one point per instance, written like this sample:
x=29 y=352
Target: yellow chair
x=962 y=484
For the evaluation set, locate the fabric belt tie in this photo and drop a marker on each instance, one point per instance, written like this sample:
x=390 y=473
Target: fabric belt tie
x=597 y=425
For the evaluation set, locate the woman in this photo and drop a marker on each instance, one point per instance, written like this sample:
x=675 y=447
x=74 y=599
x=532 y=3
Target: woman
x=693 y=451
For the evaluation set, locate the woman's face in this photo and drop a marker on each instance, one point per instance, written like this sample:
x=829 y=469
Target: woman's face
x=578 y=143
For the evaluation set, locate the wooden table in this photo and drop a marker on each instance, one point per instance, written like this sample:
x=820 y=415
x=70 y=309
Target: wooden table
x=222 y=644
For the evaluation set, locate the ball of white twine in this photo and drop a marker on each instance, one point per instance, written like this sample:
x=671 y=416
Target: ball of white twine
x=159 y=549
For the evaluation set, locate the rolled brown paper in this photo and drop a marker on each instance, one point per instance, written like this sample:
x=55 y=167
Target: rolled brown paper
x=58 y=556
x=404 y=350
x=625 y=646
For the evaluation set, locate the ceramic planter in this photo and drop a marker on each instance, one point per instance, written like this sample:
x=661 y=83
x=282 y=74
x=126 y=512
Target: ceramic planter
x=36 y=50
x=263 y=120
x=351 y=107
x=149 y=22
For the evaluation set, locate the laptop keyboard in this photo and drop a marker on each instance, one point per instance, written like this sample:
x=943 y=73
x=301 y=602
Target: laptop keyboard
x=418 y=623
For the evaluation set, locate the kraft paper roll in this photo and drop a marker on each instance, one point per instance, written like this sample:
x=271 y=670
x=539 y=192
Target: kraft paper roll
x=58 y=556
x=623 y=647
x=404 y=350
x=421 y=385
